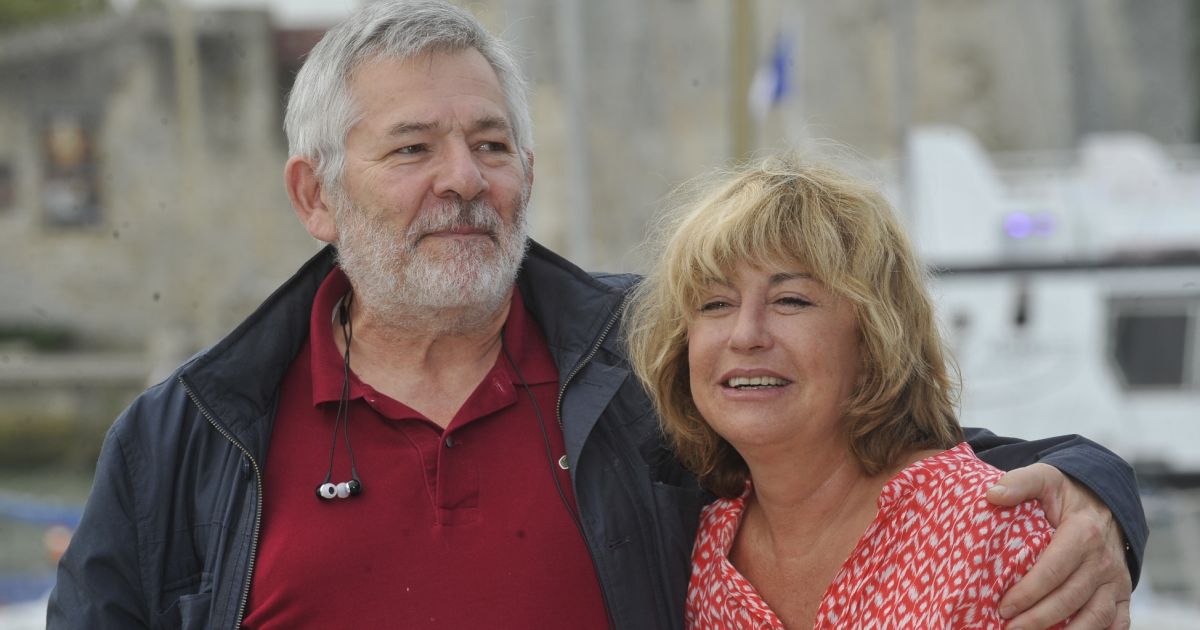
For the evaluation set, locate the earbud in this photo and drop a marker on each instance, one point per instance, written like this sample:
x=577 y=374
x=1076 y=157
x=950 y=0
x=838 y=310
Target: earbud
x=343 y=490
x=327 y=490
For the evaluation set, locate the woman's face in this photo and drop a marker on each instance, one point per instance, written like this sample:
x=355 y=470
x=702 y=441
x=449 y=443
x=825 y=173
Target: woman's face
x=773 y=355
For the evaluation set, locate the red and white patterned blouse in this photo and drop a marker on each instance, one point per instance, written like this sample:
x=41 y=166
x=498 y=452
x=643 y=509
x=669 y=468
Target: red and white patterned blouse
x=937 y=555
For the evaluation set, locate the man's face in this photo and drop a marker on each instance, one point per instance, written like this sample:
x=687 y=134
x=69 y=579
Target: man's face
x=431 y=210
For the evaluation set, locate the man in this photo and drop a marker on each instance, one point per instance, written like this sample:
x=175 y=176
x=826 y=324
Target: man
x=503 y=469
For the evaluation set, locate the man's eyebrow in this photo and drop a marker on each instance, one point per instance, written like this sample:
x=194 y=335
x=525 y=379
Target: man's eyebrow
x=498 y=123
x=492 y=123
x=406 y=127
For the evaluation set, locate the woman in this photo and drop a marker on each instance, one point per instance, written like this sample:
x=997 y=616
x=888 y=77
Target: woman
x=789 y=344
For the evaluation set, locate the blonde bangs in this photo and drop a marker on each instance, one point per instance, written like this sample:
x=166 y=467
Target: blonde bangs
x=765 y=221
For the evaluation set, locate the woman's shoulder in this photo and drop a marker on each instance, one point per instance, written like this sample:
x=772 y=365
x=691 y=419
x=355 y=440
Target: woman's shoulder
x=951 y=487
x=724 y=514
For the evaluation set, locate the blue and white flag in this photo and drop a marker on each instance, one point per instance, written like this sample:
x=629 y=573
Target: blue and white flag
x=772 y=80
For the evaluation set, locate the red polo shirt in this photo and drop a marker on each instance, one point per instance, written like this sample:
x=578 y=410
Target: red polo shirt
x=455 y=528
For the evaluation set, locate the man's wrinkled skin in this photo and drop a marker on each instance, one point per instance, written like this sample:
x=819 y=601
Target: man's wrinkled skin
x=1083 y=572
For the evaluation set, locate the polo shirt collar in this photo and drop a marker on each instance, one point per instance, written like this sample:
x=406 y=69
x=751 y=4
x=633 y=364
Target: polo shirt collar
x=522 y=338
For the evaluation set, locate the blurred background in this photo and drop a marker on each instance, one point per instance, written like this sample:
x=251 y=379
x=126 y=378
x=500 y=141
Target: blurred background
x=1043 y=154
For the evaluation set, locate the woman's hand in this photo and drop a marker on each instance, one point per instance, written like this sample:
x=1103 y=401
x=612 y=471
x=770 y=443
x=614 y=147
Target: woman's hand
x=1082 y=573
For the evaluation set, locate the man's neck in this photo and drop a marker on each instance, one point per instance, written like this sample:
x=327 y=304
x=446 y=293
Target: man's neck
x=430 y=363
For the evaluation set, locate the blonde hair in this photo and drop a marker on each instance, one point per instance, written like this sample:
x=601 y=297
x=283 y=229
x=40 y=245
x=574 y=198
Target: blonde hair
x=782 y=210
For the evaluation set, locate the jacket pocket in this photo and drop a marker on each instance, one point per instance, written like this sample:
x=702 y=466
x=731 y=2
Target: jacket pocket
x=185 y=607
x=193 y=611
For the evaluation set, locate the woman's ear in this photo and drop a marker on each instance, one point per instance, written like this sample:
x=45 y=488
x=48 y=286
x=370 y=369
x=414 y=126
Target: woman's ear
x=305 y=190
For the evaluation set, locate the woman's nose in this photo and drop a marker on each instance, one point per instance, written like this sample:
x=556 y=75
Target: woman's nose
x=750 y=329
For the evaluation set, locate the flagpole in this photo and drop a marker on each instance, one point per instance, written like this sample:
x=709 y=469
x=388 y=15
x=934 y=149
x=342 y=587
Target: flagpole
x=580 y=231
x=742 y=55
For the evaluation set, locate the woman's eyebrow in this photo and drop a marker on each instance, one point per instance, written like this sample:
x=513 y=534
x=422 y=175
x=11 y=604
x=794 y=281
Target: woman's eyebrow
x=781 y=277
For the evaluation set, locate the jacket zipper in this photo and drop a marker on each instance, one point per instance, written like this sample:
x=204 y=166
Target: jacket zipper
x=241 y=611
x=562 y=390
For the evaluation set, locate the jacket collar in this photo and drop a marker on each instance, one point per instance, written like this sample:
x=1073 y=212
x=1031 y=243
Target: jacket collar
x=236 y=381
x=572 y=306
x=579 y=314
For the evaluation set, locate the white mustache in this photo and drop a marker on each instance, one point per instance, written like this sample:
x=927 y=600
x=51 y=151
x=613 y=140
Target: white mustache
x=476 y=215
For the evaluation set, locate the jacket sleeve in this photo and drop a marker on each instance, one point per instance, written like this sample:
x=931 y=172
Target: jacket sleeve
x=1101 y=470
x=98 y=583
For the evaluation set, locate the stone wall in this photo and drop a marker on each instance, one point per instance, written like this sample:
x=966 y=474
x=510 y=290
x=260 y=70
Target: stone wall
x=183 y=241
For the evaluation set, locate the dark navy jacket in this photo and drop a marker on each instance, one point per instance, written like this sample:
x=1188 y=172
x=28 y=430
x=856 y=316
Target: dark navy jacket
x=169 y=533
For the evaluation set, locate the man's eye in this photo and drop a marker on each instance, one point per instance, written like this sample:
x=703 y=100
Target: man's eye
x=411 y=149
x=493 y=147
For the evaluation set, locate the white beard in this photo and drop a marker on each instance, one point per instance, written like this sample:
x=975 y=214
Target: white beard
x=452 y=288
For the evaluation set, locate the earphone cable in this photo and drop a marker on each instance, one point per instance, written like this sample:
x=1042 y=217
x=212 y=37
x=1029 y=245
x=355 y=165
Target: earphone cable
x=562 y=496
x=348 y=335
x=537 y=411
x=343 y=408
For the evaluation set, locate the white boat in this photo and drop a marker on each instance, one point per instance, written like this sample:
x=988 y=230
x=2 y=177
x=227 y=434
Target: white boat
x=1068 y=285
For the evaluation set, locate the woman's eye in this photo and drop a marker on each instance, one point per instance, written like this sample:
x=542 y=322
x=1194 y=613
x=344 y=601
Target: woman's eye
x=713 y=305
x=793 y=302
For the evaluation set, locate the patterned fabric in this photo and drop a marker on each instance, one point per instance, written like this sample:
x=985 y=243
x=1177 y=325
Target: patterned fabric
x=937 y=555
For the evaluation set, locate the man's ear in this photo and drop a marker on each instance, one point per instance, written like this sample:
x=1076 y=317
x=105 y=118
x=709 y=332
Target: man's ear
x=529 y=169
x=305 y=190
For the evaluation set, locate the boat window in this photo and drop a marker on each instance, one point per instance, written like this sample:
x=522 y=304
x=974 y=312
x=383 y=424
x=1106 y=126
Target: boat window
x=1153 y=341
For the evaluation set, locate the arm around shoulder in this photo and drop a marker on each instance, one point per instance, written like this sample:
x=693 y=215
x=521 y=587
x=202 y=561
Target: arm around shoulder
x=1094 y=467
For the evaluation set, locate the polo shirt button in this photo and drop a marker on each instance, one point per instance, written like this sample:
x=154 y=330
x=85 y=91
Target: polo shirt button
x=450 y=441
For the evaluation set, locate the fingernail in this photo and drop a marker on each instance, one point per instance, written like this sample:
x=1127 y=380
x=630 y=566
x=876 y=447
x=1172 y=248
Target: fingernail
x=1000 y=490
x=1006 y=612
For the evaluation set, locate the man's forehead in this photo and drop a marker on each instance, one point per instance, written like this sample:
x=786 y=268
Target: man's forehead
x=464 y=74
x=483 y=122
x=427 y=65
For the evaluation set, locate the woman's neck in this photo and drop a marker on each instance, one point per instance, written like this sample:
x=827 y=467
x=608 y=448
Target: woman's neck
x=798 y=504
x=802 y=520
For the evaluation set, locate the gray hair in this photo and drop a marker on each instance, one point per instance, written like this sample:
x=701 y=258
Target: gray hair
x=321 y=110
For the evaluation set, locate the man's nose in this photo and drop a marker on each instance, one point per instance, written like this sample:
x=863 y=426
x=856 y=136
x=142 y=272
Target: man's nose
x=460 y=174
